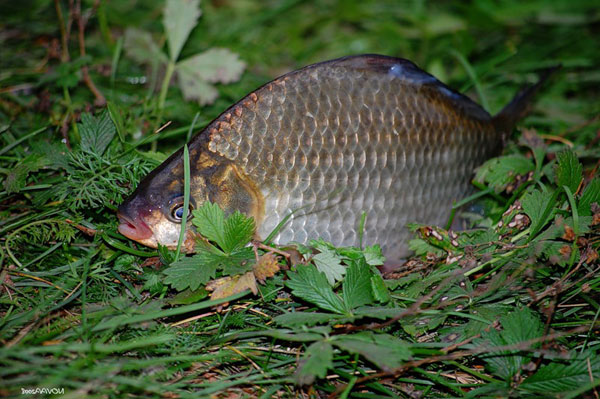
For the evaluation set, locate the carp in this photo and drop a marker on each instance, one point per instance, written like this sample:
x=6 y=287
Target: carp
x=361 y=134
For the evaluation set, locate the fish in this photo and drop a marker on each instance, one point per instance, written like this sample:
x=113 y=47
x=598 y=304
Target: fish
x=349 y=150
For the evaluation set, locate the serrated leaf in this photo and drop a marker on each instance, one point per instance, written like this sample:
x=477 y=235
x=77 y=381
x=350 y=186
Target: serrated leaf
x=266 y=267
x=518 y=326
x=16 y=178
x=421 y=247
x=217 y=65
x=501 y=171
x=96 y=132
x=539 y=206
x=568 y=170
x=373 y=255
x=228 y=286
x=140 y=47
x=296 y=319
x=238 y=230
x=590 y=195
x=385 y=351
x=179 y=18
x=378 y=288
x=563 y=376
x=189 y=273
x=377 y=312
x=209 y=220
x=195 y=89
x=311 y=285
x=356 y=289
x=330 y=264
x=314 y=363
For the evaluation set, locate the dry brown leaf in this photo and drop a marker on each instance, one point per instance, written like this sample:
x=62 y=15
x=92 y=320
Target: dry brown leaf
x=266 y=267
x=227 y=286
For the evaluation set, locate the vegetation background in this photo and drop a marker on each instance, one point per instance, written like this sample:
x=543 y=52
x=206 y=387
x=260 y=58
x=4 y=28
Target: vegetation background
x=86 y=110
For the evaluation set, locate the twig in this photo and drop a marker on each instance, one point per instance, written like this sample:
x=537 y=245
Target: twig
x=64 y=34
x=81 y=21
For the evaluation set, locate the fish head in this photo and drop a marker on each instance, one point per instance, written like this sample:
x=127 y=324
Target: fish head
x=152 y=215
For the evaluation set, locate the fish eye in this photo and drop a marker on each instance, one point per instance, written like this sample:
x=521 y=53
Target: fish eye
x=177 y=210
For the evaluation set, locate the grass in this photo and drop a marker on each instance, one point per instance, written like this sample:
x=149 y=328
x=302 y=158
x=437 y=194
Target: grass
x=508 y=310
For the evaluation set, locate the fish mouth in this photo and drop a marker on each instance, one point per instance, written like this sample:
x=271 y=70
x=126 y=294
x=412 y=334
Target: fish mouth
x=135 y=229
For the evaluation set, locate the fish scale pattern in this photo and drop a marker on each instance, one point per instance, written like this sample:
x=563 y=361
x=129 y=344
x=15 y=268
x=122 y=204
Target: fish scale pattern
x=334 y=140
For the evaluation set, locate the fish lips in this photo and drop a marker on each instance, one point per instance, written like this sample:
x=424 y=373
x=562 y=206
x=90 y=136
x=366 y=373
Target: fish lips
x=134 y=228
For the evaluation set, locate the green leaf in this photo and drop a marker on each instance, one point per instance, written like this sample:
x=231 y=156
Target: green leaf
x=96 y=132
x=238 y=231
x=373 y=255
x=568 y=170
x=539 y=207
x=190 y=272
x=315 y=362
x=378 y=288
x=16 y=178
x=179 y=18
x=563 y=375
x=296 y=319
x=328 y=262
x=385 y=351
x=499 y=172
x=312 y=286
x=518 y=326
x=195 y=89
x=590 y=195
x=115 y=116
x=140 y=47
x=217 y=65
x=209 y=220
x=357 y=285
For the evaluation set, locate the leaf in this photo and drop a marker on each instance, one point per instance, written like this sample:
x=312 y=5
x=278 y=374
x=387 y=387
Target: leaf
x=518 y=326
x=117 y=118
x=499 y=172
x=195 y=89
x=189 y=272
x=16 y=178
x=209 y=220
x=238 y=230
x=311 y=285
x=329 y=263
x=96 y=132
x=373 y=255
x=315 y=362
x=385 y=351
x=140 y=47
x=378 y=288
x=568 y=170
x=266 y=267
x=563 y=376
x=590 y=195
x=228 y=286
x=539 y=207
x=357 y=285
x=296 y=319
x=179 y=18
x=217 y=65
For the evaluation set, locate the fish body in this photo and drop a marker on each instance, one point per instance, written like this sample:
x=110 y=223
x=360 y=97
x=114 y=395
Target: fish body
x=362 y=134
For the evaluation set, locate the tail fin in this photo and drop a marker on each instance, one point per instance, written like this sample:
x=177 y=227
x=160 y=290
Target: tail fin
x=506 y=119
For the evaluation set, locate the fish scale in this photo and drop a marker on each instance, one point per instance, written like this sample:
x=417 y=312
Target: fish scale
x=330 y=141
x=355 y=141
